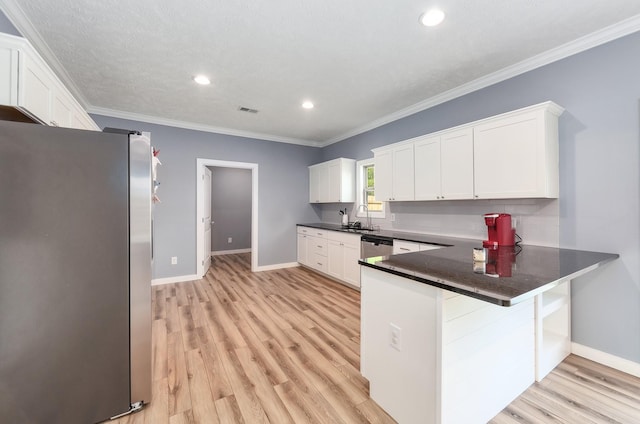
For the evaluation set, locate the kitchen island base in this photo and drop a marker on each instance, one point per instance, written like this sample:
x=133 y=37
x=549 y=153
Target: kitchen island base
x=448 y=358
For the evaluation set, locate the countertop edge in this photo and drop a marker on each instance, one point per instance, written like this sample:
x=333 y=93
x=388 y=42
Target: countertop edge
x=487 y=297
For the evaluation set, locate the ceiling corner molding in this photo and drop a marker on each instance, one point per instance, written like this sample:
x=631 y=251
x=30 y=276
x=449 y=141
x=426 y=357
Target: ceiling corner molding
x=610 y=33
x=199 y=127
x=16 y=15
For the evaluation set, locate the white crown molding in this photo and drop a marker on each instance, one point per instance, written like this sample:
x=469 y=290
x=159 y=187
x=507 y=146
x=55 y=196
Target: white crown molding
x=581 y=44
x=17 y=17
x=22 y=23
x=198 y=127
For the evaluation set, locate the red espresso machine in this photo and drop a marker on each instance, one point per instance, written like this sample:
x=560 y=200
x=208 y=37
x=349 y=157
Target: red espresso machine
x=500 y=231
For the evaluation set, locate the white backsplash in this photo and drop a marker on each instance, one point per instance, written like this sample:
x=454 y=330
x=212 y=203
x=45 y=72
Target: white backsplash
x=537 y=220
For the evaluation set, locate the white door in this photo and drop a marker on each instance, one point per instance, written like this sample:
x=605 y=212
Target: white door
x=206 y=219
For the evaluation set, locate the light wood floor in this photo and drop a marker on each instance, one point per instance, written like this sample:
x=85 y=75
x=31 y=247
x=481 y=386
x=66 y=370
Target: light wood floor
x=283 y=347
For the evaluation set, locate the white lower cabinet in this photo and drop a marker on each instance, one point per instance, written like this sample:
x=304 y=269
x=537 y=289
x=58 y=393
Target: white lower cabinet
x=344 y=253
x=402 y=246
x=303 y=257
x=553 y=328
x=331 y=252
x=454 y=359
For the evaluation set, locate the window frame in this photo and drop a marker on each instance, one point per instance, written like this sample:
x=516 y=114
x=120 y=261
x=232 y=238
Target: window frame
x=360 y=186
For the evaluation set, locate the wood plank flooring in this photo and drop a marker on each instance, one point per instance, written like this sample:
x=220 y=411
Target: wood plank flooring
x=283 y=347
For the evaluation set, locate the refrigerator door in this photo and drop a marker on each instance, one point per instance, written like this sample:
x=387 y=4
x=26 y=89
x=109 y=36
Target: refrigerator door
x=140 y=271
x=64 y=274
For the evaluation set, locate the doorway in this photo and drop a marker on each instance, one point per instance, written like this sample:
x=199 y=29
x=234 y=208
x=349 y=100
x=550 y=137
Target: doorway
x=201 y=199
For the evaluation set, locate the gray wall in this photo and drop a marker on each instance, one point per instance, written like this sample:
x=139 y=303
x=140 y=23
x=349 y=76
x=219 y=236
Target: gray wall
x=230 y=208
x=6 y=26
x=283 y=199
x=599 y=175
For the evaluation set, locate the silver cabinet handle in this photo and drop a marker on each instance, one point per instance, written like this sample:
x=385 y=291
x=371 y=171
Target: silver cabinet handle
x=404 y=248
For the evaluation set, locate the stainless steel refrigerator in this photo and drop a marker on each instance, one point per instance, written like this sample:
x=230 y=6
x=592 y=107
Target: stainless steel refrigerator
x=75 y=274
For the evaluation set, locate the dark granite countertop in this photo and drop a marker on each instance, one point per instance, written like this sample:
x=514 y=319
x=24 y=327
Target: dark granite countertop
x=509 y=276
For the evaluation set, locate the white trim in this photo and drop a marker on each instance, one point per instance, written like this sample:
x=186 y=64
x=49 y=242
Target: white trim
x=229 y=252
x=199 y=127
x=628 y=26
x=19 y=19
x=177 y=279
x=276 y=266
x=578 y=45
x=200 y=165
x=359 y=192
x=607 y=359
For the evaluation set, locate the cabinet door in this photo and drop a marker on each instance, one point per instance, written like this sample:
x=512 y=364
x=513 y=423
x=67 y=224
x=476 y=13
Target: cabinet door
x=456 y=161
x=351 y=255
x=318 y=183
x=383 y=162
x=427 y=168
x=8 y=76
x=508 y=158
x=403 y=175
x=37 y=91
x=334 y=186
x=61 y=111
x=335 y=261
x=303 y=250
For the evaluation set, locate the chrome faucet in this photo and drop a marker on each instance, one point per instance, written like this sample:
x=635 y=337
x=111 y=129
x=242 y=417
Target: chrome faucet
x=366 y=208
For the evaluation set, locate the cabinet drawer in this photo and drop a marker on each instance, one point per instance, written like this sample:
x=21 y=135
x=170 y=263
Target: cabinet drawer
x=317 y=246
x=401 y=246
x=344 y=238
x=318 y=262
x=314 y=232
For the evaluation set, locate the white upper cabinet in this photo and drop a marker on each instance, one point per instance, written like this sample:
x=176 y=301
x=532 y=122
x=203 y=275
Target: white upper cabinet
x=516 y=155
x=444 y=166
x=318 y=183
x=30 y=86
x=35 y=93
x=395 y=177
x=513 y=155
x=427 y=168
x=332 y=181
x=456 y=164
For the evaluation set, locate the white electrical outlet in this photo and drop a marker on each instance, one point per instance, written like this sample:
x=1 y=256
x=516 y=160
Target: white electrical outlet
x=174 y=260
x=395 y=337
x=393 y=217
x=230 y=240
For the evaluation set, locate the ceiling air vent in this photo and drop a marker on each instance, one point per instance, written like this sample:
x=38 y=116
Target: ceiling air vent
x=247 y=109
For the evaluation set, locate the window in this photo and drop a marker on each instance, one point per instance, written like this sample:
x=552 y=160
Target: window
x=366 y=190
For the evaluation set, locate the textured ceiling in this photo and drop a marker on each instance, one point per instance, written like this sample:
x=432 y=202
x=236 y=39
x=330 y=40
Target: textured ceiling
x=359 y=61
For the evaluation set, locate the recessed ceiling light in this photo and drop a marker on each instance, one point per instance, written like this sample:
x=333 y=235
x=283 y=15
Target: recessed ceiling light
x=307 y=104
x=202 y=80
x=432 y=18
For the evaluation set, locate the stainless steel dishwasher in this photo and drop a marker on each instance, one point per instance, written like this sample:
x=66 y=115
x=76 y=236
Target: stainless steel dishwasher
x=374 y=245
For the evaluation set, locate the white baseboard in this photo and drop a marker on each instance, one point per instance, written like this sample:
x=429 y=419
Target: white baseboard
x=277 y=266
x=607 y=359
x=230 y=252
x=177 y=279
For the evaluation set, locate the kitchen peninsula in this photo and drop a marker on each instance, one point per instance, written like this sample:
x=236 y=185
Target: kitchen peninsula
x=445 y=342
